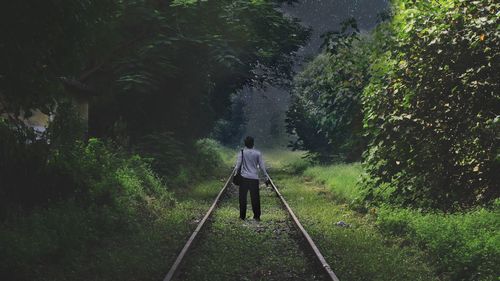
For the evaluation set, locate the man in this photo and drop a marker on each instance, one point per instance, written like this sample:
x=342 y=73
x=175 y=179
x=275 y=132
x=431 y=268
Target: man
x=252 y=162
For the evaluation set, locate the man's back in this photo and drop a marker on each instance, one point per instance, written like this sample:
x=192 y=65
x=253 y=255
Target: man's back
x=251 y=164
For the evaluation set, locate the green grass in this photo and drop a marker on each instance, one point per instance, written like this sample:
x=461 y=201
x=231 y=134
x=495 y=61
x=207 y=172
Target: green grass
x=340 y=179
x=358 y=252
x=282 y=159
x=463 y=246
x=67 y=242
x=390 y=243
x=231 y=249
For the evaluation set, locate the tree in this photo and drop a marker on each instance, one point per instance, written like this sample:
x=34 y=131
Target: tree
x=179 y=77
x=326 y=113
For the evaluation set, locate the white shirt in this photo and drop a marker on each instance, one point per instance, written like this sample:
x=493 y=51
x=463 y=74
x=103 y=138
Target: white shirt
x=253 y=161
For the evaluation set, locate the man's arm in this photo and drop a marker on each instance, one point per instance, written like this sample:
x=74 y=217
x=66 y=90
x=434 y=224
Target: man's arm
x=238 y=162
x=262 y=166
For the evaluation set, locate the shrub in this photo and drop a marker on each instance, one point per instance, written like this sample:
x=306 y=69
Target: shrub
x=208 y=157
x=431 y=108
x=105 y=192
x=180 y=163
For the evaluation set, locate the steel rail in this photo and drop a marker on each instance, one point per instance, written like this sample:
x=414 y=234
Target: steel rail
x=171 y=273
x=193 y=236
x=308 y=238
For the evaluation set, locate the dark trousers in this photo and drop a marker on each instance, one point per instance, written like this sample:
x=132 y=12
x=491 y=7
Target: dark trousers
x=253 y=186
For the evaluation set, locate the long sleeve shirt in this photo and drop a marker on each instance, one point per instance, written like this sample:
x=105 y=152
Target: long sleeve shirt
x=252 y=163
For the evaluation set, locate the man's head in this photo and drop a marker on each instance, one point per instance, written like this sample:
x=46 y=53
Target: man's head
x=249 y=142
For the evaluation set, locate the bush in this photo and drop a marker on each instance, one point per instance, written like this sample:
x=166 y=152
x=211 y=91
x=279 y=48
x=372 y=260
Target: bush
x=181 y=163
x=431 y=108
x=105 y=192
x=463 y=246
x=208 y=157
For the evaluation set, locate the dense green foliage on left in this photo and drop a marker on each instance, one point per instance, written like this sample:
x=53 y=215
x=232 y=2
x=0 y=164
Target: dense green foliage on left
x=155 y=66
x=157 y=75
x=70 y=201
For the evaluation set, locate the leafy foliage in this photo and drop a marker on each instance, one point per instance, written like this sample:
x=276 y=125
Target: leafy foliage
x=38 y=171
x=431 y=108
x=326 y=112
x=44 y=41
x=178 y=74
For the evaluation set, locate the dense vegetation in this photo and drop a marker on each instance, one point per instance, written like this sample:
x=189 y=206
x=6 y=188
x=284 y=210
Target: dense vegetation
x=426 y=87
x=159 y=79
x=157 y=75
x=416 y=100
x=432 y=105
x=326 y=109
x=458 y=246
x=153 y=67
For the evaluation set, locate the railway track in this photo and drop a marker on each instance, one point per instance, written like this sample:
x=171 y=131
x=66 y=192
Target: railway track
x=309 y=243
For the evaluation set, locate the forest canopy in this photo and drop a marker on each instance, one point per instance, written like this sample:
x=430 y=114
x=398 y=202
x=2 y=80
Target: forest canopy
x=157 y=75
x=152 y=67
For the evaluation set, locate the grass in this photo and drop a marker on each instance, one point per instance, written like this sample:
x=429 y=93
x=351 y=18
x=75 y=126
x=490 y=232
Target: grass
x=390 y=243
x=282 y=159
x=139 y=249
x=340 y=179
x=235 y=250
x=358 y=252
x=463 y=246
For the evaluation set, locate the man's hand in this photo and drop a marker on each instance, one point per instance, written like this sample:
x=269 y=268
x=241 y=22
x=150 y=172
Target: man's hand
x=268 y=182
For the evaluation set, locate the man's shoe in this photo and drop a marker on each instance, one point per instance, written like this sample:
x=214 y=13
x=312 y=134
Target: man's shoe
x=256 y=219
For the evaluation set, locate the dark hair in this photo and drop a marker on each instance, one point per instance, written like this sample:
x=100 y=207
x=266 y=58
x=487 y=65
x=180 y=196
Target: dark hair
x=249 y=142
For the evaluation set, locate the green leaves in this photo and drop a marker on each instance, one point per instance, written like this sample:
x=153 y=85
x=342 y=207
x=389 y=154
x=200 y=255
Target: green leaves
x=326 y=107
x=428 y=101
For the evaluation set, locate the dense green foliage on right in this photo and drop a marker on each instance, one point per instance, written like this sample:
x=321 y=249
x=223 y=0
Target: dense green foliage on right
x=428 y=87
x=433 y=104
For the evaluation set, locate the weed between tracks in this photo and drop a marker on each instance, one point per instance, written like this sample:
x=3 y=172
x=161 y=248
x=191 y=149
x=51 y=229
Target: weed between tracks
x=231 y=249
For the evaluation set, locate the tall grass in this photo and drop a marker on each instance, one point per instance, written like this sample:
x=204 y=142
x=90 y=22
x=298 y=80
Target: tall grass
x=340 y=179
x=358 y=252
x=463 y=246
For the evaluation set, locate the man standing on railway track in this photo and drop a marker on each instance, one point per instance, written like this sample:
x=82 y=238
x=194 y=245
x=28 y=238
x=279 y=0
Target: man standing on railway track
x=252 y=162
